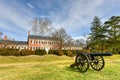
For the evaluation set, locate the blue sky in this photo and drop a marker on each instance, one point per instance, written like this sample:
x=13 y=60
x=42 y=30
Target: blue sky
x=73 y=15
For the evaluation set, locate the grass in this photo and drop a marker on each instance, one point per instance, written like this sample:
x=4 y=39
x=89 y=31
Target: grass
x=51 y=67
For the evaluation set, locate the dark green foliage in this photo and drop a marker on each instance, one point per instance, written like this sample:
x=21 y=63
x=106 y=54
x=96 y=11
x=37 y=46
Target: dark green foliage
x=105 y=37
x=40 y=52
x=97 y=34
x=55 y=52
x=69 y=53
x=25 y=52
x=9 y=52
x=113 y=34
x=74 y=52
x=15 y=52
x=58 y=52
x=51 y=52
x=96 y=29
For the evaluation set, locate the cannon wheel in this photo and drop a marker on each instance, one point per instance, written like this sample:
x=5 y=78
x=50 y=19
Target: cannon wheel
x=82 y=62
x=97 y=63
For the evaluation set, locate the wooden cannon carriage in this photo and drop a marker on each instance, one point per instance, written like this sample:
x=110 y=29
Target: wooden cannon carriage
x=95 y=60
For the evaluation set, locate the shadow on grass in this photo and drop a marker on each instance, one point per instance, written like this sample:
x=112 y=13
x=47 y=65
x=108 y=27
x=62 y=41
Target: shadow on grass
x=72 y=69
x=90 y=70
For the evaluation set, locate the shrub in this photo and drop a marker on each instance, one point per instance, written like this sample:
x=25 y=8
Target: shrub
x=31 y=52
x=9 y=52
x=64 y=51
x=60 y=53
x=69 y=53
x=17 y=53
x=25 y=52
x=51 y=52
x=40 y=52
x=74 y=52
x=79 y=51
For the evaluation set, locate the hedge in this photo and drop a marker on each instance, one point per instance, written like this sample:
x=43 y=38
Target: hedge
x=15 y=52
x=24 y=52
x=9 y=52
x=40 y=52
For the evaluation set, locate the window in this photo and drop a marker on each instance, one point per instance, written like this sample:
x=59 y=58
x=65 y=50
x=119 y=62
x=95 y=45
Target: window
x=32 y=48
x=32 y=41
x=36 y=41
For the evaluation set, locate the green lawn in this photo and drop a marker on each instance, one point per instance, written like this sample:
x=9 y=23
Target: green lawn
x=51 y=67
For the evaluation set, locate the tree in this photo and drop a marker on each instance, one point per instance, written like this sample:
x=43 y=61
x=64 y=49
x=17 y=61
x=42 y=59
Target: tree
x=11 y=39
x=41 y=26
x=80 y=42
x=113 y=33
x=96 y=29
x=62 y=35
x=97 y=34
x=1 y=35
x=69 y=42
x=113 y=27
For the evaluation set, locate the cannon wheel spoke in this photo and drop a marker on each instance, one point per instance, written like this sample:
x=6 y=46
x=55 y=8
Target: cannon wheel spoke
x=97 y=63
x=82 y=62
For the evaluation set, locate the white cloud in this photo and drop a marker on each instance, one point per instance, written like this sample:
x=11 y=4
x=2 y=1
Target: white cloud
x=76 y=14
x=80 y=37
x=18 y=16
x=73 y=15
x=30 y=5
x=85 y=37
x=14 y=19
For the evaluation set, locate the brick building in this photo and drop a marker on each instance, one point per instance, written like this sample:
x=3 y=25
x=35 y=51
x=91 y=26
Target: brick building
x=13 y=44
x=5 y=43
x=36 y=42
x=41 y=42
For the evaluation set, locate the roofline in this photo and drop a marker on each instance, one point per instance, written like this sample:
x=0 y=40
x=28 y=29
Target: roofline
x=41 y=37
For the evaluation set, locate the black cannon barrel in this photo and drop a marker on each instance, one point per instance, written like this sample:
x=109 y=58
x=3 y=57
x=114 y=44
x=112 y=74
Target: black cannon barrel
x=100 y=54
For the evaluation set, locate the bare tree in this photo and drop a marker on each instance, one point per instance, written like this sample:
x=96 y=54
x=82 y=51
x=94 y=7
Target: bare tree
x=1 y=35
x=41 y=26
x=80 y=42
x=34 y=24
x=62 y=35
x=11 y=39
x=70 y=42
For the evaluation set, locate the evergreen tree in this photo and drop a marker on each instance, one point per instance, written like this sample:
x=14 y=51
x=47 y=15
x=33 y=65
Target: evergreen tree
x=113 y=33
x=107 y=36
x=97 y=34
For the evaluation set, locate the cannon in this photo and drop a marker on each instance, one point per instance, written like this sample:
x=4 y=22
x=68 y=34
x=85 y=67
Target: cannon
x=84 y=60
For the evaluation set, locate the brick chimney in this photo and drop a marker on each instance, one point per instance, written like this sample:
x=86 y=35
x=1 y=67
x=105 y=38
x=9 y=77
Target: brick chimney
x=5 y=38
